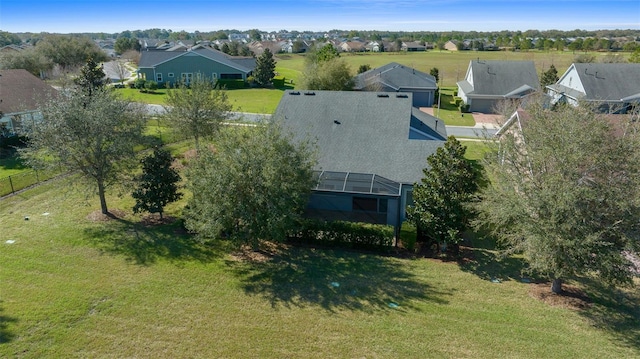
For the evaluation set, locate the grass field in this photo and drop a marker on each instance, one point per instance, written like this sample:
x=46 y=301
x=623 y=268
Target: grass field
x=76 y=287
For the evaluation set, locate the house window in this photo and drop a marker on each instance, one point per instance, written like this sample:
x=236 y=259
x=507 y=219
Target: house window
x=214 y=76
x=187 y=77
x=367 y=204
x=158 y=77
x=170 y=74
x=231 y=76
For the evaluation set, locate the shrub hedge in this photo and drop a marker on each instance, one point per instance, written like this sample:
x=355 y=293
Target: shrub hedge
x=278 y=82
x=344 y=234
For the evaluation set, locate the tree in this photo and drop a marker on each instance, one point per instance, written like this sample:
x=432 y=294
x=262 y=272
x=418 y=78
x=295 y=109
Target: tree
x=333 y=75
x=265 y=68
x=157 y=186
x=364 y=68
x=635 y=56
x=94 y=137
x=441 y=207
x=91 y=78
x=29 y=59
x=435 y=73
x=253 y=186
x=121 y=69
x=564 y=192
x=69 y=51
x=197 y=110
x=255 y=34
x=549 y=77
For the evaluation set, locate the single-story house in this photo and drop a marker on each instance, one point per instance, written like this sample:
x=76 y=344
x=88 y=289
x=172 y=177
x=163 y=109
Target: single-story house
x=413 y=46
x=489 y=82
x=170 y=67
x=610 y=86
x=399 y=78
x=20 y=96
x=372 y=148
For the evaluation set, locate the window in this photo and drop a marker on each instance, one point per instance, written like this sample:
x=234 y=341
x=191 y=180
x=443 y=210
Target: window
x=170 y=74
x=158 y=77
x=366 y=204
x=187 y=77
x=214 y=76
x=231 y=76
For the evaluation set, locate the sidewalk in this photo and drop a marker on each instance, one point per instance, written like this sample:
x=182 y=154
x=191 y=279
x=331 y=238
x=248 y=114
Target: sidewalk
x=483 y=120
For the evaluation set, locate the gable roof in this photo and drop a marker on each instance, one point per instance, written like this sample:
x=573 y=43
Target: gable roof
x=21 y=91
x=151 y=59
x=364 y=132
x=397 y=77
x=603 y=82
x=499 y=78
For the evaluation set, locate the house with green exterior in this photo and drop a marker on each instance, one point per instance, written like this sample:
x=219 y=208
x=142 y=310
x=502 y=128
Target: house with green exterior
x=171 y=67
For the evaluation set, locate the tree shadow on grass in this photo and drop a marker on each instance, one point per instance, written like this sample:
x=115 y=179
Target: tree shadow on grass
x=6 y=335
x=486 y=261
x=145 y=245
x=333 y=280
x=614 y=310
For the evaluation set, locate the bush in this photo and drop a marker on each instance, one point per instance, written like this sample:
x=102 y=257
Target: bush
x=139 y=83
x=455 y=93
x=231 y=84
x=457 y=101
x=151 y=85
x=464 y=108
x=344 y=234
x=278 y=81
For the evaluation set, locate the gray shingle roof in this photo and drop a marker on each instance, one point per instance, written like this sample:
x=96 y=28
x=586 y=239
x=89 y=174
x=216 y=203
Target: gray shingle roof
x=609 y=82
x=149 y=59
x=361 y=132
x=396 y=77
x=500 y=78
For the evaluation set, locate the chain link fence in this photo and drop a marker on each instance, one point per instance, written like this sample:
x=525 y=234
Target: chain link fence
x=17 y=182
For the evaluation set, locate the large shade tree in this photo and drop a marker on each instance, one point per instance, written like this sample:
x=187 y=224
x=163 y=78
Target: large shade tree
x=565 y=192
x=325 y=70
x=93 y=137
x=196 y=110
x=253 y=186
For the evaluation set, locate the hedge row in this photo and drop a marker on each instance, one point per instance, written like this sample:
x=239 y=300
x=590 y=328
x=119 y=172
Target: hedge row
x=344 y=234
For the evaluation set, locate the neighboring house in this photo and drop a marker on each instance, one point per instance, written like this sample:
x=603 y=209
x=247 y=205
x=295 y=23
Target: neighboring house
x=612 y=87
x=374 y=46
x=20 y=95
x=372 y=148
x=489 y=82
x=413 y=46
x=394 y=77
x=170 y=67
x=352 y=46
x=451 y=46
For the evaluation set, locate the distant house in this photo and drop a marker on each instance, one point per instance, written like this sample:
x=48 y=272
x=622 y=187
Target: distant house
x=374 y=46
x=394 y=77
x=489 y=82
x=612 y=87
x=413 y=46
x=451 y=46
x=352 y=46
x=170 y=67
x=372 y=148
x=20 y=96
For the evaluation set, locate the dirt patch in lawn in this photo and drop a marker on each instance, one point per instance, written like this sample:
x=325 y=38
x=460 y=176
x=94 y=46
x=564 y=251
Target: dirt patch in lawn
x=571 y=297
x=98 y=216
x=154 y=219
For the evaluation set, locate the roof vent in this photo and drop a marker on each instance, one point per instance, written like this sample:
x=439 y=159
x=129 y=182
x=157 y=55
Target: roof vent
x=382 y=95
x=401 y=95
x=337 y=122
x=309 y=93
x=294 y=93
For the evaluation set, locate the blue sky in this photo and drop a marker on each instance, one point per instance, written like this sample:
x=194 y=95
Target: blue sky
x=65 y=16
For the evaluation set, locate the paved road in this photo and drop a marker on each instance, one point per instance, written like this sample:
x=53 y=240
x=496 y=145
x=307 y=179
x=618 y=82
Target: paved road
x=111 y=70
x=458 y=131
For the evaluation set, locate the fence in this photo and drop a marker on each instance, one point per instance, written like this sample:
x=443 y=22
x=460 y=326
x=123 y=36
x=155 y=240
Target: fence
x=17 y=182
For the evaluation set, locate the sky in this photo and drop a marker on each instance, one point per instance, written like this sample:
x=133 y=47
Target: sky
x=75 y=16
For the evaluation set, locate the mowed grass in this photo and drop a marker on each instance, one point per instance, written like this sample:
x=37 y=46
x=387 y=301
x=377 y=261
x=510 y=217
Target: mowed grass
x=74 y=287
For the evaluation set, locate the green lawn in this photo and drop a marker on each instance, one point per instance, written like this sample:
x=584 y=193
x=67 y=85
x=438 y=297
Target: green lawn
x=73 y=287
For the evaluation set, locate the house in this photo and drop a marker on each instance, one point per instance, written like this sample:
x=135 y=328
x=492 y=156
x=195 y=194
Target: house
x=394 y=77
x=451 y=46
x=413 y=46
x=489 y=82
x=372 y=148
x=374 y=46
x=351 y=46
x=611 y=87
x=170 y=67
x=20 y=95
